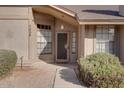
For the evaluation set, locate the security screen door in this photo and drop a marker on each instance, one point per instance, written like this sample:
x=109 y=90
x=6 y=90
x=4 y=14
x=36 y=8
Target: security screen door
x=62 y=47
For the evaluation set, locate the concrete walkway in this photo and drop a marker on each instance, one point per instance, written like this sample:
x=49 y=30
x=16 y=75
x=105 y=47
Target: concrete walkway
x=42 y=75
x=39 y=75
x=66 y=78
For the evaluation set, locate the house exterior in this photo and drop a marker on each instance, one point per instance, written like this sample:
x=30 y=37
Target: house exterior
x=62 y=33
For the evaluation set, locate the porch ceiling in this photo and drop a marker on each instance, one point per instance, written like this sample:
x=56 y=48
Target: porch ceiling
x=56 y=13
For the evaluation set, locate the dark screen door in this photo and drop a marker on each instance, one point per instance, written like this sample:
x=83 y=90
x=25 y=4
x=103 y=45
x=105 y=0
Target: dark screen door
x=62 y=46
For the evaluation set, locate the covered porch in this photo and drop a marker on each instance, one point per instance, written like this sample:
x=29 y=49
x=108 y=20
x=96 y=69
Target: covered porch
x=59 y=36
x=56 y=37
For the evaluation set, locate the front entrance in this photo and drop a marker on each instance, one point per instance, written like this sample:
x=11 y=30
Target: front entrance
x=62 y=53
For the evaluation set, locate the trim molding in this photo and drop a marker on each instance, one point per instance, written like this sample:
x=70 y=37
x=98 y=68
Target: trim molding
x=97 y=23
x=69 y=12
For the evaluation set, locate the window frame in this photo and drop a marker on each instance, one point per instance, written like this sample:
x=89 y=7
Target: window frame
x=108 y=34
x=41 y=42
x=74 y=43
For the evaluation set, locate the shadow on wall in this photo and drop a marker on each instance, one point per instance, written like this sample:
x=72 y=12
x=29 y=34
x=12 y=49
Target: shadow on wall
x=44 y=44
x=43 y=36
x=69 y=75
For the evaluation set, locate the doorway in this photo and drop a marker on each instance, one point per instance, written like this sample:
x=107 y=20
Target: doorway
x=62 y=45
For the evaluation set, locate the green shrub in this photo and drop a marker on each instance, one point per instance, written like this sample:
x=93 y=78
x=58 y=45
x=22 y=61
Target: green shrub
x=101 y=70
x=8 y=61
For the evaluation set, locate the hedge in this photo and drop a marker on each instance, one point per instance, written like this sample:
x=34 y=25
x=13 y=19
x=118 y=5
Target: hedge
x=101 y=70
x=8 y=61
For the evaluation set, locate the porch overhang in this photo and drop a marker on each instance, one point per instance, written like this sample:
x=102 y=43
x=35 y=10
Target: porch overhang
x=72 y=18
x=97 y=23
x=67 y=16
x=102 y=21
x=64 y=10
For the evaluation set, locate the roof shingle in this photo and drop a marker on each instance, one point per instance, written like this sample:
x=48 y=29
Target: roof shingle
x=95 y=12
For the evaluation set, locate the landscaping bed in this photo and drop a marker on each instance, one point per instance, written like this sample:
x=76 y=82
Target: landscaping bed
x=8 y=61
x=101 y=70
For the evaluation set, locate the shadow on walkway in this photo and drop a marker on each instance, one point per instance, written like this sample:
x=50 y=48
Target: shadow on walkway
x=69 y=75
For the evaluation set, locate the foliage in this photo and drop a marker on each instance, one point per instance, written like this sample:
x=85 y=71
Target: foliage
x=8 y=61
x=101 y=70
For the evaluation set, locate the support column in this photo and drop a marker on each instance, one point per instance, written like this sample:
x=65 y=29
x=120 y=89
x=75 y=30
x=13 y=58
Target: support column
x=122 y=43
x=32 y=54
x=81 y=41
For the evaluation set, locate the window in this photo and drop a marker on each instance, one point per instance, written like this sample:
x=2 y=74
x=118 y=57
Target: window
x=73 y=42
x=40 y=26
x=44 y=41
x=105 y=39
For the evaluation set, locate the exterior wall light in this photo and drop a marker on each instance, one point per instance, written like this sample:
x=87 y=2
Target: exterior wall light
x=62 y=27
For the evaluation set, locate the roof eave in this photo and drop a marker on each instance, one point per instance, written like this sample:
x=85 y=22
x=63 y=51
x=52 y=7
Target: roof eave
x=102 y=21
x=96 y=23
x=64 y=11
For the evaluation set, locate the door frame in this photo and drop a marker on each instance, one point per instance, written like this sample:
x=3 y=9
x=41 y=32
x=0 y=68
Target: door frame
x=68 y=44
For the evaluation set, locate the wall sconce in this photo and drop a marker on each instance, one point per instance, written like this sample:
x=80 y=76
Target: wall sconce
x=62 y=27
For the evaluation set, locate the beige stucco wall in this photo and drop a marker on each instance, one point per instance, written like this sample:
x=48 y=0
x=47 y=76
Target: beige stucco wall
x=14 y=36
x=14 y=27
x=86 y=40
x=13 y=12
x=89 y=39
x=32 y=41
x=67 y=27
x=41 y=18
